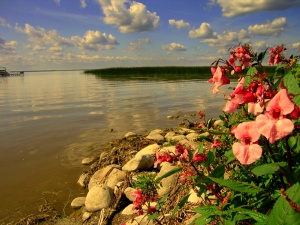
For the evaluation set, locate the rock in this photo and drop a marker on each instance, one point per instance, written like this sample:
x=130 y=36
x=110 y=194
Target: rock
x=130 y=134
x=98 y=197
x=142 y=162
x=191 y=144
x=99 y=175
x=157 y=131
x=103 y=156
x=168 y=183
x=192 y=136
x=86 y=216
x=81 y=180
x=156 y=137
x=179 y=137
x=194 y=198
x=140 y=220
x=170 y=117
x=128 y=210
x=78 y=202
x=88 y=161
x=169 y=136
x=128 y=192
x=168 y=149
x=149 y=150
x=218 y=123
x=186 y=131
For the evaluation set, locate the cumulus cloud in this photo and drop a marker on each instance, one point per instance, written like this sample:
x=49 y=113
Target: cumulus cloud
x=129 y=16
x=82 y=3
x=174 y=47
x=276 y=27
x=227 y=39
x=204 y=31
x=235 y=8
x=296 y=45
x=7 y=47
x=137 y=46
x=3 y=23
x=92 y=40
x=180 y=24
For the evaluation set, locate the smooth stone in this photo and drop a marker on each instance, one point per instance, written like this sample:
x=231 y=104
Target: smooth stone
x=140 y=220
x=194 y=198
x=98 y=197
x=149 y=150
x=78 y=202
x=156 y=137
x=170 y=135
x=179 y=137
x=81 y=180
x=130 y=134
x=128 y=210
x=128 y=193
x=170 y=117
x=88 y=161
x=157 y=131
x=86 y=216
x=142 y=162
x=168 y=183
x=192 y=136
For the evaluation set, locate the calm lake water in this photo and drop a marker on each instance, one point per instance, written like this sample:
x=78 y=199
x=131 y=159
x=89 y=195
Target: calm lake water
x=50 y=120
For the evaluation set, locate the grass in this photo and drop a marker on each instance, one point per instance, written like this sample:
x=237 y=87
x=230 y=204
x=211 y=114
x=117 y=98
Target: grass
x=164 y=72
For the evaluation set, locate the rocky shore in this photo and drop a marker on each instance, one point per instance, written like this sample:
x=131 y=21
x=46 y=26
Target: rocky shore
x=109 y=178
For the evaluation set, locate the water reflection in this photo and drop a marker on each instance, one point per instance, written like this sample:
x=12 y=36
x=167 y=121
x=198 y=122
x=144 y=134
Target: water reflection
x=49 y=120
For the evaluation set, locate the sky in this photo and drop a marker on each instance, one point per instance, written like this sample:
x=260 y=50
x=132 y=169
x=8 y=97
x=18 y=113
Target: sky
x=90 y=34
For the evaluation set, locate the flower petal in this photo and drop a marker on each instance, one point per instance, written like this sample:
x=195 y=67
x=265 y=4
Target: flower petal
x=246 y=154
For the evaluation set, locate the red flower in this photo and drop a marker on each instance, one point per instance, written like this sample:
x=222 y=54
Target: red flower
x=219 y=79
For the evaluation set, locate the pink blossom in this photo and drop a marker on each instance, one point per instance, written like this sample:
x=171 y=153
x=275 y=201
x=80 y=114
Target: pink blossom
x=163 y=157
x=182 y=151
x=255 y=108
x=247 y=151
x=139 y=201
x=276 y=55
x=273 y=124
x=239 y=96
x=219 y=79
x=215 y=144
x=199 y=157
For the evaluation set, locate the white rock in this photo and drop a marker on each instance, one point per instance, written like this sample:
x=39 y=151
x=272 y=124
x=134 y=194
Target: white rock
x=149 y=150
x=187 y=131
x=88 y=161
x=156 y=137
x=128 y=210
x=99 y=175
x=168 y=183
x=179 y=137
x=218 y=123
x=142 y=162
x=86 y=216
x=98 y=197
x=168 y=149
x=140 y=220
x=169 y=135
x=193 y=198
x=82 y=179
x=130 y=134
x=192 y=136
x=128 y=191
x=78 y=202
x=157 y=131
x=188 y=143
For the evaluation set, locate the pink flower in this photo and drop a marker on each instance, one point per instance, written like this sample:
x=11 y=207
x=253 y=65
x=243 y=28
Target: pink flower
x=273 y=124
x=255 y=108
x=276 y=55
x=163 y=157
x=215 y=144
x=239 y=96
x=182 y=151
x=199 y=157
x=219 y=79
x=247 y=151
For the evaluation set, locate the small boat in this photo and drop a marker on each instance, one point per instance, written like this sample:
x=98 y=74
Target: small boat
x=3 y=72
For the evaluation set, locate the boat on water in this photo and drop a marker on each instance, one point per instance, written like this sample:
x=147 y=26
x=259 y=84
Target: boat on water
x=5 y=73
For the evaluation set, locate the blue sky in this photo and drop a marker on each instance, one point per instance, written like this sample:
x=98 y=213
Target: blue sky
x=72 y=34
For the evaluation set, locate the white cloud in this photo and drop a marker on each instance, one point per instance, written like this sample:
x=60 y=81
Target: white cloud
x=137 y=46
x=129 y=16
x=296 y=45
x=82 y=3
x=3 y=23
x=180 y=24
x=227 y=39
x=273 y=28
x=204 y=31
x=7 y=47
x=92 y=40
x=174 y=47
x=234 y=8
x=57 y=2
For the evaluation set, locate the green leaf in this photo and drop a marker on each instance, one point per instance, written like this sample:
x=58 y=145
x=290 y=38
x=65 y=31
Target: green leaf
x=202 y=220
x=238 y=185
x=218 y=132
x=218 y=172
x=261 y=56
x=291 y=83
x=282 y=212
x=292 y=142
x=259 y=217
x=230 y=156
x=252 y=71
x=268 y=168
x=210 y=158
x=153 y=216
x=161 y=202
x=206 y=211
x=175 y=170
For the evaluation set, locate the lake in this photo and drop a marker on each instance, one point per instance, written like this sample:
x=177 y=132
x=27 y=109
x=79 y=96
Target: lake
x=50 y=121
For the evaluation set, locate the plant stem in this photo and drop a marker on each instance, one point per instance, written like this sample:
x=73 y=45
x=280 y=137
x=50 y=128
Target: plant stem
x=288 y=155
x=270 y=150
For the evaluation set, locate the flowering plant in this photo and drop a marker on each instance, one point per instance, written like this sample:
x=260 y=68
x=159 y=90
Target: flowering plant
x=250 y=160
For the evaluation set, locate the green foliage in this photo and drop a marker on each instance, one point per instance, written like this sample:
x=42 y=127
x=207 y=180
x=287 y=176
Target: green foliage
x=147 y=183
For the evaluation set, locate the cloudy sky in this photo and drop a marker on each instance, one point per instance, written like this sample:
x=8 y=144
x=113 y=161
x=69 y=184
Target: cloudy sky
x=72 y=34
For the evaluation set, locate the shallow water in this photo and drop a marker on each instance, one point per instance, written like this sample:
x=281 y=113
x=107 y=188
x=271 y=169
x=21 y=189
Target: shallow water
x=49 y=120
